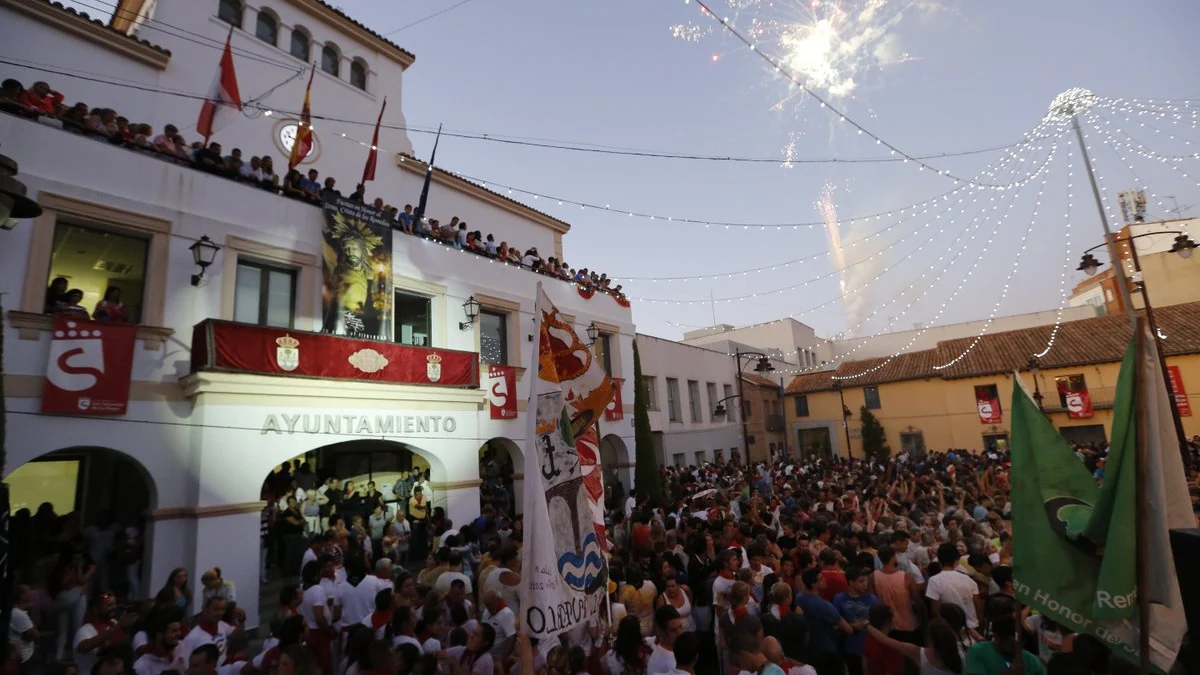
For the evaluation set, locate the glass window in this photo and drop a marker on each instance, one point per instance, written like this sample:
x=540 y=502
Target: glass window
x=673 y=411
x=678 y=459
x=694 y=400
x=601 y=351
x=871 y=397
x=413 y=320
x=331 y=60
x=301 y=45
x=801 y=406
x=264 y=295
x=493 y=337
x=719 y=454
x=230 y=11
x=267 y=28
x=711 y=390
x=699 y=457
x=746 y=409
x=93 y=264
x=651 y=384
x=358 y=74
x=732 y=410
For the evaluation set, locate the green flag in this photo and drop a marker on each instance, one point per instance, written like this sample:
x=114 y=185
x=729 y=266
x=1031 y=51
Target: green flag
x=1075 y=544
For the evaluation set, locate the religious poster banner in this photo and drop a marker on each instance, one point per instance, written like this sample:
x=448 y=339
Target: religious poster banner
x=89 y=368
x=615 y=410
x=987 y=401
x=1179 y=392
x=247 y=348
x=502 y=392
x=564 y=575
x=356 y=271
x=1074 y=392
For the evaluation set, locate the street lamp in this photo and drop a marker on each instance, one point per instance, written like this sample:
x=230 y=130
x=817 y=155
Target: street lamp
x=1183 y=247
x=1035 y=368
x=846 y=415
x=204 y=252
x=763 y=365
x=14 y=205
x=471 y=310
x=593 y=333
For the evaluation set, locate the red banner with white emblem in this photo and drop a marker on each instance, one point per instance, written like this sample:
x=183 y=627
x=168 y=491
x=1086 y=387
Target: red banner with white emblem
x=615 y=411
x=1177 y=389
x=239 y=347
x=502 y=392
x=1075 y=395
x=89 y=368
x=987 y=401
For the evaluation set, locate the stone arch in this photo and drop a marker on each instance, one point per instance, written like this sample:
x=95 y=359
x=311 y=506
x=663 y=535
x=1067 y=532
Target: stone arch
x=501 y=459
x=617 y=459
x=87 y=481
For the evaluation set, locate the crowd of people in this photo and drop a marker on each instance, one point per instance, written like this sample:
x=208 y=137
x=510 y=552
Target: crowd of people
x=825 y=567
x=41 y=101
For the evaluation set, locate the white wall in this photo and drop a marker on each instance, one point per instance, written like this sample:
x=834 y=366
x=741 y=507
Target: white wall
x=792 y=341
x=663 y=359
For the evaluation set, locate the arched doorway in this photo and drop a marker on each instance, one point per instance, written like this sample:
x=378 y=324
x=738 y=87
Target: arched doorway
x=614 y=457
x=499 y=461
x=96 y=496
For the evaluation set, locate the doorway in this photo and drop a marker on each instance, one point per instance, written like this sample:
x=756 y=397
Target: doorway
x=995 y=442
x=912 y=443
x=814 y=442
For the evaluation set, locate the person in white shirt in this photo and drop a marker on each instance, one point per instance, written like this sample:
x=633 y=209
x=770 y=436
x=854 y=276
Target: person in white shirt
x=954 y=586
x=686 y=653
x=21 y=630
x=476 y=657
x=668 y=627
x=359 y=601
x=498 y=615
x=317 y=610
x=100 y=630
x=210 y=630
x=165 y=628
x=630 y=503
x=203 y=661
x=452 y=573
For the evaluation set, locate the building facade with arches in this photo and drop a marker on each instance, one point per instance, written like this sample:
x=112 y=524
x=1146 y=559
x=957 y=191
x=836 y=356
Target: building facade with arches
x=194 y=445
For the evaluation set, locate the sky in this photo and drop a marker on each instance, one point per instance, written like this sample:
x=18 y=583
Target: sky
x=926 y=76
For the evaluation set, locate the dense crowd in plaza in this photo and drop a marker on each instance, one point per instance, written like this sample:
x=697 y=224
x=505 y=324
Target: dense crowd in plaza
x=799 y=568
x=42 y=102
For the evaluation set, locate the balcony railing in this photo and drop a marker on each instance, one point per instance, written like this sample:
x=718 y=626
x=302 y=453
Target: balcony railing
x=1101 y=397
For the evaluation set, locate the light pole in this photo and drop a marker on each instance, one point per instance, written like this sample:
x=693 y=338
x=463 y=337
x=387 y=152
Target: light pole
x=1183 y=247
x=763 y=366
x=837 y=386
x=1034 y=369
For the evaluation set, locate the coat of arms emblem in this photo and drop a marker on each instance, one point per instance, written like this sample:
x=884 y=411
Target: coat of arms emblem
x=85 y=403
x=433 y=367
x=287 y=353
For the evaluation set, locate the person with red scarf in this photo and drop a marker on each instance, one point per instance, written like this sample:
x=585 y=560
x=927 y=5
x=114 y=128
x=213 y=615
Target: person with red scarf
x=235 y=654
x=101 y=630
x=381 y=618
x=210 y=629
x=45 y=100
x=165 y=628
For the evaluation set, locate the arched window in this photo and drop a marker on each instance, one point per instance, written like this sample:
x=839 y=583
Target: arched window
x=267 y=28
x=230 y=11
x=331 y=60
x=301 y=45
x=358 y=74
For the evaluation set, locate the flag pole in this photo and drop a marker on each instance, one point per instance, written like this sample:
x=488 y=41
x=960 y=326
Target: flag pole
x=1141 y=503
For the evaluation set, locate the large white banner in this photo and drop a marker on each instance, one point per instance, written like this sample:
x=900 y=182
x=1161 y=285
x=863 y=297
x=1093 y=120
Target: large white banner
x=564 y=573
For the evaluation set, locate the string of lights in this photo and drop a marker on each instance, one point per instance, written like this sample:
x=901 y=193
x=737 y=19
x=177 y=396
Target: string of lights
x=987 y=324
x=1187 y=142
x=973 y=231
x=1108 y=129
x=963 y=278
x=1067 y=258
x=1037 y=171
x=1139 y=148
x=838 y=112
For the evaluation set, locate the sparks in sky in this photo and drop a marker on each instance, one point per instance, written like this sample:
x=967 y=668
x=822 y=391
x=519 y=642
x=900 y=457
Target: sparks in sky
x=829 y=44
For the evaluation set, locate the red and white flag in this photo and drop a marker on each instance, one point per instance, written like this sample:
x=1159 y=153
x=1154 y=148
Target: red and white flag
x=223 y=93
x=373 y=155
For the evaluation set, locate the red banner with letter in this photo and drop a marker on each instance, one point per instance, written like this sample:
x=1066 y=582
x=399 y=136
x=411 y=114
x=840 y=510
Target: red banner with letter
x=502 y=392
x=987 y=401
x=1075 y=395
x=89 y=368
x=239 y=347
x=615 y=411
x=1181 y=398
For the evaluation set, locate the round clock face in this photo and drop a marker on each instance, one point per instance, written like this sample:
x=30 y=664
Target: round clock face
x=285 y=138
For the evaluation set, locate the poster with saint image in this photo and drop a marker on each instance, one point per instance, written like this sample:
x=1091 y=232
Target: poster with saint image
x=356 y=271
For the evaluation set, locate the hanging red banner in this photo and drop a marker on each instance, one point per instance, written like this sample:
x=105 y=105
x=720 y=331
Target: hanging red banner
x=240 y=347
x=502 y=392
x=987 y=401
x=1075 y=396
x=1181 y=398
x=89 y=368
x=585 y=293
x=615 y=411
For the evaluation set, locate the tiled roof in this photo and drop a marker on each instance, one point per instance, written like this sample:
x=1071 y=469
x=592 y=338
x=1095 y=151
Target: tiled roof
x=1101 y=339
x=363 y=27
x=83 y=16
x=760 y=380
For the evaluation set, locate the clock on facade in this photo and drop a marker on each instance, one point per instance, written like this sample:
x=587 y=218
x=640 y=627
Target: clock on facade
x=285 y=137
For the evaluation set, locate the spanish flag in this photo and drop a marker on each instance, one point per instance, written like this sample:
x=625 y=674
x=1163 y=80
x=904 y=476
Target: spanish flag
x=304 y=138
